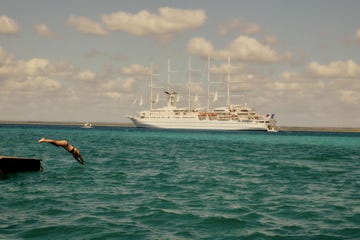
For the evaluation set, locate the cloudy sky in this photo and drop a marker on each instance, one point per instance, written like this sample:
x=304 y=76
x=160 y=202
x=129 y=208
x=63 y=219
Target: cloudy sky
x=88 y=60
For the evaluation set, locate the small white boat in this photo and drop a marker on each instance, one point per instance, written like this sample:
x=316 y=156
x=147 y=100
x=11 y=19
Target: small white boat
x=87 y=125
x=272 y=129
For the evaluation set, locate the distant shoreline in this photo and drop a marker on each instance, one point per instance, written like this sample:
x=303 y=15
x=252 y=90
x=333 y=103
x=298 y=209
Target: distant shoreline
x=109 y=124
x=320 y=129
x=101 y=124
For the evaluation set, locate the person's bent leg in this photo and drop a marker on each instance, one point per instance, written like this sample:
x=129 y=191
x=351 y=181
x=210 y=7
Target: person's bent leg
x=61 y=143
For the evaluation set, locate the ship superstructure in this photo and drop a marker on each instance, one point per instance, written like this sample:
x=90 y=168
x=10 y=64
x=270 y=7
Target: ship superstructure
x=229 y=117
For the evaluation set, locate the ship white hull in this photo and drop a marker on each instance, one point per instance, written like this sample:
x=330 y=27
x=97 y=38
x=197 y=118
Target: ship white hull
x=196 y=124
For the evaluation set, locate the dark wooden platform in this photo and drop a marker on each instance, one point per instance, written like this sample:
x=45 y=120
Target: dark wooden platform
x=10 y=164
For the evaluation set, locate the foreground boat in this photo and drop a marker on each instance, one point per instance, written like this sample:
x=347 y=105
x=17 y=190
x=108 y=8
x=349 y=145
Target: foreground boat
x=230 y=117
x=10 y=164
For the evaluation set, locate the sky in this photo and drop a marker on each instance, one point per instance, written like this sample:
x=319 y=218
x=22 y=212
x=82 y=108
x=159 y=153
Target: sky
x=90 y=61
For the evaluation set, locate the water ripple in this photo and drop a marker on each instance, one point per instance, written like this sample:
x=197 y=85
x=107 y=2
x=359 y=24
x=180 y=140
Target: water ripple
x=143 y=184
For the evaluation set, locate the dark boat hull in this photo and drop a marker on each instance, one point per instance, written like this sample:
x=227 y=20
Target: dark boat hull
x=16 y=164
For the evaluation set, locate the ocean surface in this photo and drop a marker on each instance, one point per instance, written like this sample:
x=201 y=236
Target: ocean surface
x=157 y=184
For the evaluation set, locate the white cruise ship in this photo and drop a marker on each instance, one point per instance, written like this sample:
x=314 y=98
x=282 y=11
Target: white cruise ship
x=230 y=117
x=234 y=117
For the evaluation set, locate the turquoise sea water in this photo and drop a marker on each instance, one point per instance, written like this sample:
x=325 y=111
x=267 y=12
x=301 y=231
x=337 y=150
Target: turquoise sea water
x=156 y=184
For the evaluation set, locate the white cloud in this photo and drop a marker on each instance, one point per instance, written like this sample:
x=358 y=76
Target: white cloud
x=11 y=68
x=271 y=40
x=36 y=66
x=295 y=82
x=86 y=26
x=119 y=85
x=224 y=68
x=358 y=35
x=201 y=47
x=349 y=96
x=239 y=25
x=43 y=30
x=135 y=69
x=281 y=86
x=162 y=26
x=8 y=26
x=289 y=75
x=336 y=69
x=110 y=85
x=5 y=57
x=114 y=95
x=33 y=67
x=243 y=48
x=249 y=49
x=40 y=89
x=128 y=84
x=37 y=84
x=86 y=75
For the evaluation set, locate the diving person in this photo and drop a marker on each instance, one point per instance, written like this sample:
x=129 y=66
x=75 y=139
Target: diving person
x=67 y=146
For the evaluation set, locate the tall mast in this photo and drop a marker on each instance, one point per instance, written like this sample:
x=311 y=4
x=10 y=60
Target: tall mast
x=169 y=74
x=228 y=84
x=189 y=85
x=208 y=90
x=168 y=79
x=151 y=86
